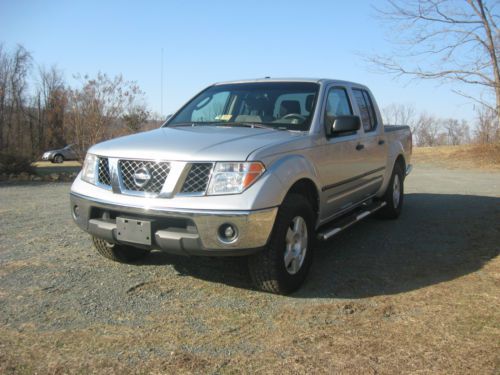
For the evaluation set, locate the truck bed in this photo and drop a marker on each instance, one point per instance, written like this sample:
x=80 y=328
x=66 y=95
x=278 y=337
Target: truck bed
x=393 y=128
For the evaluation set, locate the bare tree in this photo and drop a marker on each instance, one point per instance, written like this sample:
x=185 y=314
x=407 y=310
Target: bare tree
x=97 y=108
x=400 y=114
x=457 y=132
x=14 y=69
x=50 y=103
x=487 y=127
x=427 y=130
x=447 y=40
x=136 y=117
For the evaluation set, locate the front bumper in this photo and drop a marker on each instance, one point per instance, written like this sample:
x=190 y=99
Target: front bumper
x=187 y=232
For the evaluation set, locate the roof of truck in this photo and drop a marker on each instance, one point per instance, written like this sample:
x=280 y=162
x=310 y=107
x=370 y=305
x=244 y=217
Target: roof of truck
x=312 y=80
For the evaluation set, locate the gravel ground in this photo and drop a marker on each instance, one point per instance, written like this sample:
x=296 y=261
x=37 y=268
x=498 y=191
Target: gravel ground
x=419 y=294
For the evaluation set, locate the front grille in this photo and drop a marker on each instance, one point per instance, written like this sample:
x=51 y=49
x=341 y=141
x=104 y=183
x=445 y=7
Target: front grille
x=103 y=176
x=197 y=178
x=158 y=171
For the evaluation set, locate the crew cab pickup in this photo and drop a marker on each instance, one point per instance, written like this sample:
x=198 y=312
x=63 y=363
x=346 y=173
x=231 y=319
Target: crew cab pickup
x=260 y=168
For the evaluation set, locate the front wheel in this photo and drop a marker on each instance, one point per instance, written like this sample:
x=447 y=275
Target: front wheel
x=394 y=195
x=282 y=267
x=58 y=159
x=117 y=252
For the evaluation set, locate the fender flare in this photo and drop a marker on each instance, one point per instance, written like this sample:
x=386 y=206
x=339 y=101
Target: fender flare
x=292 y=168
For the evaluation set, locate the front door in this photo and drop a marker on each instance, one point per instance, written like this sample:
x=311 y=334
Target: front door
x=339 y=160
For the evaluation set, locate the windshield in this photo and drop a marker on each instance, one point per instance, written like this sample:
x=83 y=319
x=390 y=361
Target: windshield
x=280 y=105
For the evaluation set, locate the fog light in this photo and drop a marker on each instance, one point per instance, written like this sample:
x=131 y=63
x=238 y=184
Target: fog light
x=228 y=233
x=76 y=212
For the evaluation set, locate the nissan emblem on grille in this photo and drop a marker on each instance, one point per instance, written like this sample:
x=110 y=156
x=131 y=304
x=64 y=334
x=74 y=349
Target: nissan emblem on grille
x=142 y=176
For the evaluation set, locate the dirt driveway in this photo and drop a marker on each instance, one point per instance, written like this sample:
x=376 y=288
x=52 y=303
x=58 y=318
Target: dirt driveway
x=416 y=295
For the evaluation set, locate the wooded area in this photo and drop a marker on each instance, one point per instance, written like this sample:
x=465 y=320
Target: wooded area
x=40 y=111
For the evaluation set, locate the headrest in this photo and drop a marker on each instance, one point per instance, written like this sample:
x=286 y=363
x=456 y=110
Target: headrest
x=290 y=106
x=309 y=102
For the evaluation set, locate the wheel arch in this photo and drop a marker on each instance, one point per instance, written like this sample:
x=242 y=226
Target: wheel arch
x=307 y=188
x=297 y=175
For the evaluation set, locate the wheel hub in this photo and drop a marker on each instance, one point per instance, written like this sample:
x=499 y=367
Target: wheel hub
x=396 y=191
x=296 y=245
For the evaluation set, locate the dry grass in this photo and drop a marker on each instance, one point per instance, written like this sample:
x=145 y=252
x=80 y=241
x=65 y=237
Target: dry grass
x=46 y=167
x=452 y=327
x=485 y=157
x=48 y=164
x=416 y=296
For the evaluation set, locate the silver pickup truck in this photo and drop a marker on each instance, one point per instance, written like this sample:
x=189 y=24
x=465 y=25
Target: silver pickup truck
x=261 y=168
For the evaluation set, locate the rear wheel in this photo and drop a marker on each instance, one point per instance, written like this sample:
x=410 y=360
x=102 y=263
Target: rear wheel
x=282 y=267
x=117 y=252
x=394 y=195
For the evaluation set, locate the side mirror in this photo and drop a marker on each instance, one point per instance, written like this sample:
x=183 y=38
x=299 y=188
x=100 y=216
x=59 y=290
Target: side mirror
x=342 y=124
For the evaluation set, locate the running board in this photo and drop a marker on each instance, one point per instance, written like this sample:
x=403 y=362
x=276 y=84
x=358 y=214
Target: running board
x=345 y=222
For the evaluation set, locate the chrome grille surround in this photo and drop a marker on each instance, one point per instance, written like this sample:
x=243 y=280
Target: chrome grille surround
x=159 y=172
x=197 y=179
x=103 y=175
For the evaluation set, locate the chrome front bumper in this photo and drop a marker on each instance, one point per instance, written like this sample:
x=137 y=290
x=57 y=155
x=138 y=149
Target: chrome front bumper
x=191 y=232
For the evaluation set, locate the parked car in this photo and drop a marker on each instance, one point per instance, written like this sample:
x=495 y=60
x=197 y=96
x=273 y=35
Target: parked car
x=258 y=168
x=60 y=155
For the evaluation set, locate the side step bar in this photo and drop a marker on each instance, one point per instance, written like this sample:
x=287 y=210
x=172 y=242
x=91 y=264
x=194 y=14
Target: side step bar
x=345 y=222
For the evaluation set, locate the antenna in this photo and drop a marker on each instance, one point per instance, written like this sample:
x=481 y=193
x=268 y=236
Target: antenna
x=161 y=84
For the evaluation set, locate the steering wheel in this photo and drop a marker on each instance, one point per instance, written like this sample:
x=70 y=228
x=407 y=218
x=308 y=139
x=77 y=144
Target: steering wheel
x=294 y=116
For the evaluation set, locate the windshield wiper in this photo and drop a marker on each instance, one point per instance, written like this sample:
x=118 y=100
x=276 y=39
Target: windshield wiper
x=192 y=123
x=247 y=124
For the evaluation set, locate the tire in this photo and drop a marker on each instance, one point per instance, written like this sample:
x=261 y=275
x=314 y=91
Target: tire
x=117 y=252
x=268 y=268
x=58 y=159
x=394 y=195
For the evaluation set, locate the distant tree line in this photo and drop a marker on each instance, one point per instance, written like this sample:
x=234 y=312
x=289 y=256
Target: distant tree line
x=40 y=111
x=430 y=130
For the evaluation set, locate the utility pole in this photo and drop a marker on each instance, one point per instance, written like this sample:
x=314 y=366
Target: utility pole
x=161 y=83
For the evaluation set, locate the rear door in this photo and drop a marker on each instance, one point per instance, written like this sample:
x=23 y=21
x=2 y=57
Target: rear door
x=373 y=147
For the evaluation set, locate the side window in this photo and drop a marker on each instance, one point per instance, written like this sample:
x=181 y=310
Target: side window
x=367 y=111
x=337 y=104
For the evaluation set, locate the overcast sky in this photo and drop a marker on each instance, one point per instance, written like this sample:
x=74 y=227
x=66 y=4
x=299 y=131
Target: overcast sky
x=208 y=41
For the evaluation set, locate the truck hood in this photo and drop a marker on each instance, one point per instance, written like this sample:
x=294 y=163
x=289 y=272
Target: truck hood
x=199 y=143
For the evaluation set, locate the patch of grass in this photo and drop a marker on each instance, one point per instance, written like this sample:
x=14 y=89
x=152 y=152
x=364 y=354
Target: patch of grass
x=466 y=156
x=43 y=168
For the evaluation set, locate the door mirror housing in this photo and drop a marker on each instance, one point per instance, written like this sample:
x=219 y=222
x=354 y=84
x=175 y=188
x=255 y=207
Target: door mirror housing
x=342 y=124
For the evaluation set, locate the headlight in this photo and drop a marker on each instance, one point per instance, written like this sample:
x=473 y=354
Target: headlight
x=234 y=178
x=89 y=169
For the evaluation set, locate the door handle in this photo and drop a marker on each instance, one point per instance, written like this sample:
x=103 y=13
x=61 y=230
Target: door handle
x=381 y=142
x=360 y=147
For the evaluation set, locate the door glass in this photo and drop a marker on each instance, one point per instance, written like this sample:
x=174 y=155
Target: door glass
x=365 y=105
x=337 y=104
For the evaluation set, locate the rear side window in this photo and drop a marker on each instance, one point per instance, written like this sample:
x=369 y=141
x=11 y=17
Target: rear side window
x=366 y=109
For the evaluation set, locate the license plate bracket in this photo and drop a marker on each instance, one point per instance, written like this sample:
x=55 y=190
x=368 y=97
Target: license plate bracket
x=133 y=230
